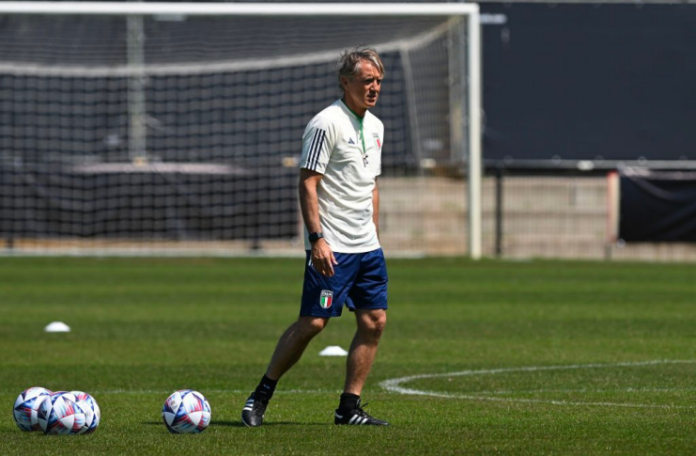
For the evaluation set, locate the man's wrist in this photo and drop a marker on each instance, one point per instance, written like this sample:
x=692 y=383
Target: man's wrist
x=314 y=237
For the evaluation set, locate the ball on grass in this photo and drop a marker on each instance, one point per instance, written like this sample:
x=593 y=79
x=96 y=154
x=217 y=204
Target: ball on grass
x=186 y=412
x=26 y=408
x=91 y=409
x=60 y=414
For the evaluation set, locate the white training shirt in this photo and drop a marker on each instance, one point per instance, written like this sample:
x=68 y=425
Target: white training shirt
x=347 y=150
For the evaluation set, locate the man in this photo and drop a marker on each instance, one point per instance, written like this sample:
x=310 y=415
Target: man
x=341 y=159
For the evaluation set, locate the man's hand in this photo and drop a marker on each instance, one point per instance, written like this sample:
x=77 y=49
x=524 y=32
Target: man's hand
x=323 y=258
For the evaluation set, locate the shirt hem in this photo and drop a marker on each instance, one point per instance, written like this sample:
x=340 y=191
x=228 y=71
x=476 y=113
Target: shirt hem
x=367 y=249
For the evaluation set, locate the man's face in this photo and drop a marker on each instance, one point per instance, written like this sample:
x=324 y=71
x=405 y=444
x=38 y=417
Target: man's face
x=362 y=91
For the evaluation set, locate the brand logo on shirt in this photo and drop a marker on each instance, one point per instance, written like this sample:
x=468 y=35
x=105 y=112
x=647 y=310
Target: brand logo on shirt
x=326 y=298
x=350 y=141
x=376 y=136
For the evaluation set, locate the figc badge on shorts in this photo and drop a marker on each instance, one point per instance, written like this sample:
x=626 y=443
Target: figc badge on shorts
x=326 y=298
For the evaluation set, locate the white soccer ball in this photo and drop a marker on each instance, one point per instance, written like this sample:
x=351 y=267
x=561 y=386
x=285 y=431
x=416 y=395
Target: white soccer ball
x=186 y=412
x=26 y=407
x=91 y=409
x=60 y=414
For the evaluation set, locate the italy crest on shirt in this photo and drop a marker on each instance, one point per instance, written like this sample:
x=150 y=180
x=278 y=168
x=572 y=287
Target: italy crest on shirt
x=377 y=141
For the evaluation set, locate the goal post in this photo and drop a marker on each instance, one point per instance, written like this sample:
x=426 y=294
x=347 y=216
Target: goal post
x=159 y=128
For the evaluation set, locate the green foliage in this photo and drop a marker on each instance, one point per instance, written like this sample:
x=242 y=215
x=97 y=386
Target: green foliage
x=142 y=328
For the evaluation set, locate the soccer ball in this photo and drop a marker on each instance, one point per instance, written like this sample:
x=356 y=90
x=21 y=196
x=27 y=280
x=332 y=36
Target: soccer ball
x=186 y=412
x=26 y=407
x=91 y=409
x=60 y=414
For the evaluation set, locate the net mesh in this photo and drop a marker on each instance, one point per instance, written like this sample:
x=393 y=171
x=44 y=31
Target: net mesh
x=172 y=133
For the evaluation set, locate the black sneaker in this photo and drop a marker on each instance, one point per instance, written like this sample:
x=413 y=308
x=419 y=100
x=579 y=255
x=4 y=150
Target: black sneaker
x=254 y=411
x=357 y=417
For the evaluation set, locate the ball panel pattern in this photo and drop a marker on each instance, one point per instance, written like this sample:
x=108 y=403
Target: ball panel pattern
x=91 y=409
x=60 y=414
x=26 y=408
x=186 y=412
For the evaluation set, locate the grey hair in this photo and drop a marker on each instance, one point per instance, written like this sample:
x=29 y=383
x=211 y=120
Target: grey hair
x=349 y=63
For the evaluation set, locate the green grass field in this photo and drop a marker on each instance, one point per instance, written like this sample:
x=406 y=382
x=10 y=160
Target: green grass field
x=520 y=358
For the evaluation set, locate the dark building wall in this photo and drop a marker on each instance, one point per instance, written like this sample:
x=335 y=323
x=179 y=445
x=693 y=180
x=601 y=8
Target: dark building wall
x=589 y=82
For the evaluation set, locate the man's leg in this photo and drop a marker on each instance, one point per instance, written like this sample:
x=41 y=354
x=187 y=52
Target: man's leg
x=363 y=349
x=293 y=343
x=288 y=351
x=362 y=354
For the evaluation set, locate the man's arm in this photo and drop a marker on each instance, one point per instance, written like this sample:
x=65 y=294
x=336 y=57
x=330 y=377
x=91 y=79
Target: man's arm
x=322 y=256
x=375 y=207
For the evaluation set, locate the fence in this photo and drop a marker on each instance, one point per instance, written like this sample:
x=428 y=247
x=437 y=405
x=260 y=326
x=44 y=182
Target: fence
x=523 y=216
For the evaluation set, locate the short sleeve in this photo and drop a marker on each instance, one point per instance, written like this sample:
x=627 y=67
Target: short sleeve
x=378 y=171
x=317 y=144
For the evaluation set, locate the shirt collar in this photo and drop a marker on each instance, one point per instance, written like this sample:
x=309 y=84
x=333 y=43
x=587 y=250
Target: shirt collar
x=345 y=106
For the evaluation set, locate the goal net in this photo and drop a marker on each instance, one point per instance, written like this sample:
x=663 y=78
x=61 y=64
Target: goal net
x=176 y=128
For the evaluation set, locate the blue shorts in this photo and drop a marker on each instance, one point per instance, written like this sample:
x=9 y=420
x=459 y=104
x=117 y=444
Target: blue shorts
x=359 y=282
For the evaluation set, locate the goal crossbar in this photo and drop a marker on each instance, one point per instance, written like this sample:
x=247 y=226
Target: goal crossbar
x=240 y=9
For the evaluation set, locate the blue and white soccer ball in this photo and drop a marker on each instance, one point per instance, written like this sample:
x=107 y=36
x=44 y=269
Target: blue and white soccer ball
x=26 y=408
x=60 y=414
x=186 y=412
x=91 y=409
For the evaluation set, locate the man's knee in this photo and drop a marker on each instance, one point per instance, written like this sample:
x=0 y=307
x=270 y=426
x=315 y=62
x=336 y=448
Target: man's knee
x=372 y=322
x=308 y=327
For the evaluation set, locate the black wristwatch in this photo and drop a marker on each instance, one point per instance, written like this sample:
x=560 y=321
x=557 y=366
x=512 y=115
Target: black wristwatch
x=314 y=237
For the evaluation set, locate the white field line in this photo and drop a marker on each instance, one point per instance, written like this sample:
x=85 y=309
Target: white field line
x=211 y=391
x=204 y=391
x=585 y=390
x=395 y=385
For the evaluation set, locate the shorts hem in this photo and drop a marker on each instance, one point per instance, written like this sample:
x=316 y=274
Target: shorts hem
x=310 y=314
x=372 y=308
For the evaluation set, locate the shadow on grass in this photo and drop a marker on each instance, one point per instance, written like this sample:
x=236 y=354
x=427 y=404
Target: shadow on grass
x=271 y=423
x=242 y=425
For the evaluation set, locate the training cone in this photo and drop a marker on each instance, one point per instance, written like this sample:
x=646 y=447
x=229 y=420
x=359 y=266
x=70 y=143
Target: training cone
x=333 y=350
x=57 y=327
